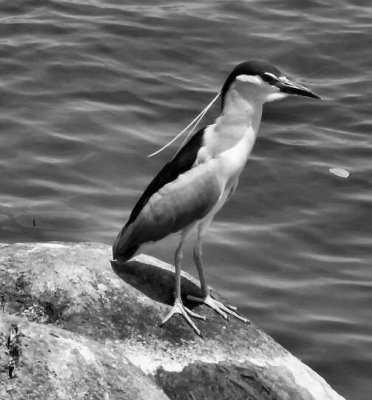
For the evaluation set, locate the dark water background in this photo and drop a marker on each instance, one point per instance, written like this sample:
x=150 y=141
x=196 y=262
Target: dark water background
x=89 y=88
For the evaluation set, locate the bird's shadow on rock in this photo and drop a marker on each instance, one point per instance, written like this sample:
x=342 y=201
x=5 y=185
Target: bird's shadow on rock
x=156 y=281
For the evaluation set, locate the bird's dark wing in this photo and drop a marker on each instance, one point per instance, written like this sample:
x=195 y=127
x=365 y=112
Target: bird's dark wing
x=178 y=196
x=182 y=162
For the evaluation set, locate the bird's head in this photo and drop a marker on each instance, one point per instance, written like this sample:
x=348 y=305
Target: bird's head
x=262 y=82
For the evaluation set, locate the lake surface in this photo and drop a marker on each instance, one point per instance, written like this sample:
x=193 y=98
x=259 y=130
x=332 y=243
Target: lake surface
x=90 y=87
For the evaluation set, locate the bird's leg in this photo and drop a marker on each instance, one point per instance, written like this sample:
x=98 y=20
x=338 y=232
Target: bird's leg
x=178 y=307
x=207 y=299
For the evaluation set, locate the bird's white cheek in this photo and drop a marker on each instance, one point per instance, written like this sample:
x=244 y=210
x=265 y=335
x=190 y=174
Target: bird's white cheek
x=275 y=96
x=251 y=79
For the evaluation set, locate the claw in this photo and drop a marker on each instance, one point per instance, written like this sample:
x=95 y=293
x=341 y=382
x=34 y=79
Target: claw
x=179 y=308
x=220 y=308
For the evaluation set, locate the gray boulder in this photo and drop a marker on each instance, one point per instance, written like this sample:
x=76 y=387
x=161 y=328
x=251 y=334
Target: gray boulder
x=58 y=364
x=113 y=312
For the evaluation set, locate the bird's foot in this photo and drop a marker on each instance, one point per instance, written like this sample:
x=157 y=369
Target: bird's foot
x=179 y=308
x=220 y=308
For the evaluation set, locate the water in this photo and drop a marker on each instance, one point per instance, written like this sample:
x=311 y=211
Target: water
x=89 y=88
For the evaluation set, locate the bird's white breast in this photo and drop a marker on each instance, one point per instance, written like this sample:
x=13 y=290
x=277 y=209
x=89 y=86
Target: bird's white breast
x=233 y=160
x=229 y=150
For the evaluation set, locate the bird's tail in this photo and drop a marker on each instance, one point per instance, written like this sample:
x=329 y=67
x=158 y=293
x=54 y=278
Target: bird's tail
x=124 y=248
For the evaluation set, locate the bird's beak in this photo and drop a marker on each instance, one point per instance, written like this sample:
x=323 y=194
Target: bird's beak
x=287 y=86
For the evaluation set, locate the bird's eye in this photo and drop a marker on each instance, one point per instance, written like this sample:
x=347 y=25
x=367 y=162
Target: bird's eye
x=270 y=78
x=284 y=79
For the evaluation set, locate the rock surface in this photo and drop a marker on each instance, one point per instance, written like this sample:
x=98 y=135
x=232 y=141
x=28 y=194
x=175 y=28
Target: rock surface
x=91 y=330
x=57 y=364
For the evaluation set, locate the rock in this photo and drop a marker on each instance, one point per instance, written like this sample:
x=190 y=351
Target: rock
x=58 y=364
x=71 y=290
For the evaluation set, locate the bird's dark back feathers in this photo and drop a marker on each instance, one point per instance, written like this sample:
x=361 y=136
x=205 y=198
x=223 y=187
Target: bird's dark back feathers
x=182 y=162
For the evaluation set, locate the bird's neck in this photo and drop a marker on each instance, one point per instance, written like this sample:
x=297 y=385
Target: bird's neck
x=241 y=112
x=239 y=121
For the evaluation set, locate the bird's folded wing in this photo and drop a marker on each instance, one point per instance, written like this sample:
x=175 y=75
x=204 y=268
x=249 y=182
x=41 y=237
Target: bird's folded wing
x=178 y=204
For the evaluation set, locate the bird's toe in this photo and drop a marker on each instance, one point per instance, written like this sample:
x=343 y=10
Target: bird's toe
x=179 y=308
x=219 y=308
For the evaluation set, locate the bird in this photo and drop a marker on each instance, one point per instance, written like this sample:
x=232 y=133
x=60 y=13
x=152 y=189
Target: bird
x=195 y=184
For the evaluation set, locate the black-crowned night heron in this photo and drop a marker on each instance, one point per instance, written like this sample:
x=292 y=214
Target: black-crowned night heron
x=194 y=185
